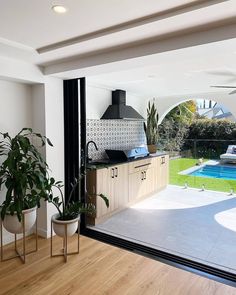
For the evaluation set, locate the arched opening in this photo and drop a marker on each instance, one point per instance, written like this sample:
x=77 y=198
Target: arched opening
x=200 y=137
x=196 y=120
x=223 y=107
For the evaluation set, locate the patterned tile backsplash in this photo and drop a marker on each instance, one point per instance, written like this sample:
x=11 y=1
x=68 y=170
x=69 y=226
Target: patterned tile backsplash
x=114 y=134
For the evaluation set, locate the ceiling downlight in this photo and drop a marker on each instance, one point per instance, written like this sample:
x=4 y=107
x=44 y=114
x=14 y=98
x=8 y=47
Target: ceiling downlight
x=59 y=9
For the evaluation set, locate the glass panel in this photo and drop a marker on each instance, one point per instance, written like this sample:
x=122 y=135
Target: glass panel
x=203 y=164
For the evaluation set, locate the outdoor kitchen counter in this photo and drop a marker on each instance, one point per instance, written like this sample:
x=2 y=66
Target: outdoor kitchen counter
x=125 y=183
x=106 y=163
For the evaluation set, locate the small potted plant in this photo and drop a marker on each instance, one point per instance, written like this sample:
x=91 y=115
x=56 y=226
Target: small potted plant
x=69 y=211
x=151 y=128
x=24 y=175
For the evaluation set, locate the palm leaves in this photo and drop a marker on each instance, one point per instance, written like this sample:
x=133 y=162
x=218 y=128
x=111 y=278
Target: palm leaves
x=184 y=112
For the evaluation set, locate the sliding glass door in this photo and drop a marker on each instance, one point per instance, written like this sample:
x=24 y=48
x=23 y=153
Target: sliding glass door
x=75 y=163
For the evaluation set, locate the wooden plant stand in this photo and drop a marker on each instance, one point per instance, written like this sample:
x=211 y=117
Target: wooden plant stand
x=65 y=252
x=22 y=255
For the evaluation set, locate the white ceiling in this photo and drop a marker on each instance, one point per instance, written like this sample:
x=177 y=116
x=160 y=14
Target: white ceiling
x=32 y=32
x=180 y=72
x=28 y=25
x=33 y=23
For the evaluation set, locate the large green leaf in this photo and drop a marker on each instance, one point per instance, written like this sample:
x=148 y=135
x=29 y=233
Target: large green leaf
x=23 y=171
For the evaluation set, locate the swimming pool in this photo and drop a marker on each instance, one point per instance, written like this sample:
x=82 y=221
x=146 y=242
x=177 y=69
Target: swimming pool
x=216 y=171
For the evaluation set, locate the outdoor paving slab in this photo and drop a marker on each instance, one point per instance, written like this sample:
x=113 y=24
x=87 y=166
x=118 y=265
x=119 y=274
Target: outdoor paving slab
x=190 y=223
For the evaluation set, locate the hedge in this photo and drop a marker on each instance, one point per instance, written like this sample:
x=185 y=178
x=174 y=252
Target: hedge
x=212 y=129
x=219 y=134
x=216 y=135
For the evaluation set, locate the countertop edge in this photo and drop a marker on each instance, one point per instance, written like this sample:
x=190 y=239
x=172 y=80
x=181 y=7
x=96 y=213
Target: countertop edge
x=101 y=166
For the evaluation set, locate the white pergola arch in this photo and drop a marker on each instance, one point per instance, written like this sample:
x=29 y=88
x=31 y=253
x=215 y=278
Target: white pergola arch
x=166 y=104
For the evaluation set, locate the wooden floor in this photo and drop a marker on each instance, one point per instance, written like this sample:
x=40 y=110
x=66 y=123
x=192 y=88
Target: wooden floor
x=100 y=269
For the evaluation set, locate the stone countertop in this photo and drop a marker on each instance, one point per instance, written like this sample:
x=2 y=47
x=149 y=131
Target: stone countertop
x=106 y=163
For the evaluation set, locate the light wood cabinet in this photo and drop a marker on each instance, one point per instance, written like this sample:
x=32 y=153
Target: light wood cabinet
x=149 y=180
x=113 y=183
x=142 y=182
x=120 y=187
x=127 y=183
x=162 y=172
x=141 y=165
x=118 y=180
x=102 y=186
x=135 y=186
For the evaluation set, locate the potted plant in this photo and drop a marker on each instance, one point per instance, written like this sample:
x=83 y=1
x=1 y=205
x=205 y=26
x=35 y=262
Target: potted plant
x=151 y=128
x=69 y=211
x=24 y=175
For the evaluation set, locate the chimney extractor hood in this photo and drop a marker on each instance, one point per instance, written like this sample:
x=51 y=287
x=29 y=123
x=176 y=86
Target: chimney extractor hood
x=119 y=109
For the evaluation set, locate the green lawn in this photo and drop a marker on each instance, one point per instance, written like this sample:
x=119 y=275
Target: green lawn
x=215 y=184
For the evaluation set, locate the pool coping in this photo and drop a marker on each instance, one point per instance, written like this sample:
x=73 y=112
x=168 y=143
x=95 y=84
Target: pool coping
x=197 y=167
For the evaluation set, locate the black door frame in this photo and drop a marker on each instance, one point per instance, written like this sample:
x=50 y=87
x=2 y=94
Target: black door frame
x=75 y=136
x=71 y=133
x=75 y=124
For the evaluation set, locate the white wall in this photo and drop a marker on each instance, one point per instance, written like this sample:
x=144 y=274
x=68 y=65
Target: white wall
x=39 y=106
x=15 y=106
x=38 y=125
x=15 y=113
x=99 y=98
x=48 y=119
x=54 y=130
x=20 y=71
x=30 y=99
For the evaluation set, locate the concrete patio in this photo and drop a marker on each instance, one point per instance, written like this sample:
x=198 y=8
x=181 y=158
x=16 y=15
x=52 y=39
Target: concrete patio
x=200 y=225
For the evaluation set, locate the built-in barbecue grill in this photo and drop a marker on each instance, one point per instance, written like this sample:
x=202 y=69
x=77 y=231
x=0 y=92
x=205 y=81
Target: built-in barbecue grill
x=126 y=155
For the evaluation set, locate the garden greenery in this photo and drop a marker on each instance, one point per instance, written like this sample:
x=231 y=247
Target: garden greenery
x=216 y=135
x=212 y=129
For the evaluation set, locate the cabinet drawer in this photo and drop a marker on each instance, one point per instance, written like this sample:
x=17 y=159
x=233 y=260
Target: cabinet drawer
x=144 y=164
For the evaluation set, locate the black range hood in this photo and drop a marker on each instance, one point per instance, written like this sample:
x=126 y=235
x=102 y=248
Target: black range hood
x=119 y=109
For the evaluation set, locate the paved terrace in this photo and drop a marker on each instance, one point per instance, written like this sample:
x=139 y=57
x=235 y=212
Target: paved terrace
x=199 y=225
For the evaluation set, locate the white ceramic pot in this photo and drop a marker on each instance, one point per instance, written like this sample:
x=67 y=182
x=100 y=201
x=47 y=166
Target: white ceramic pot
x=59 y=226
x=12 y=224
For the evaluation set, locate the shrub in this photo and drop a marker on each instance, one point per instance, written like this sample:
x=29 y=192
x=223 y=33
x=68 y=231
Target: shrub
x=216 y=135
x=212 y=129
x=172 y=134
x=180 y=136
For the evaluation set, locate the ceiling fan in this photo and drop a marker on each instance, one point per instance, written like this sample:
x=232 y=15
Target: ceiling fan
x=225 y=73
x=227 y=87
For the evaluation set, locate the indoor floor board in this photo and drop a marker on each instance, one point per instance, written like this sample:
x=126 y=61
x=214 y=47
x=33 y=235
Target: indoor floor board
x=99 y=269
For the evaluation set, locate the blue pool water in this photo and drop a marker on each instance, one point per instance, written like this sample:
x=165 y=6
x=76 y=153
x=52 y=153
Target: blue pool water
x=211 y=171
